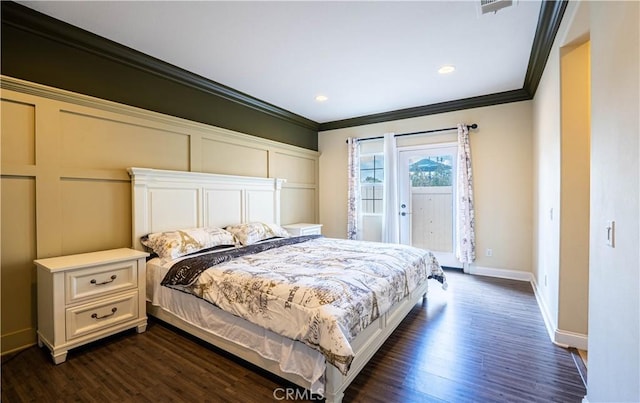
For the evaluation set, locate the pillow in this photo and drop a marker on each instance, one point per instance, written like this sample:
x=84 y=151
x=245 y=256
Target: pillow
x=250 y=233
x=173 y=244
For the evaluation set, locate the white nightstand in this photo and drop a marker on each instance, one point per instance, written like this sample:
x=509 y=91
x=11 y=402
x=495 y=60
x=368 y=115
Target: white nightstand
x=303 y=229
x=84 y=297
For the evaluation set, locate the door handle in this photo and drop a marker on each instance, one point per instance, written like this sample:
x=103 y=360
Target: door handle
x=404 y=214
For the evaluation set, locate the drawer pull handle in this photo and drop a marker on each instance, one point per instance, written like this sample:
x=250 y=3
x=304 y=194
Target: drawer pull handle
x=113 y=312
x=94 y=282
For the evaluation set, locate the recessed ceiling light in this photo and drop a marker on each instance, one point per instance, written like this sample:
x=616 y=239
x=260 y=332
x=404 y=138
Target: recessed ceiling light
x=321 y=98
x=446 y=69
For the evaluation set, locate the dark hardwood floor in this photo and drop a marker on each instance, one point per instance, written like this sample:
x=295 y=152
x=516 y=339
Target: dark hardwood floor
x=483 y=340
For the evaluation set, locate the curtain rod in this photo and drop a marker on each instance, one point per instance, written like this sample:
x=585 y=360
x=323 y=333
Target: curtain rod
x=471 y=126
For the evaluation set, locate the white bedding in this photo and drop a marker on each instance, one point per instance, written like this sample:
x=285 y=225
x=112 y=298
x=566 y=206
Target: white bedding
x=320 y=291
x=293 y=357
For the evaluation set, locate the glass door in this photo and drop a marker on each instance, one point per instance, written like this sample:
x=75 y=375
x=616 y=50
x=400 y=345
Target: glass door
x=426 y=180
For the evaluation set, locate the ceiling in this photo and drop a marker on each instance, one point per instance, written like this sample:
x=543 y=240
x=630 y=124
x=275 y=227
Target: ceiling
x=366 y=57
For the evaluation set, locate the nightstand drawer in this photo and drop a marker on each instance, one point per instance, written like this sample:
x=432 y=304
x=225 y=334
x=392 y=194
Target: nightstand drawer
x=303 y=229
x=89 y=318
x=315 y=230
x=100 y=280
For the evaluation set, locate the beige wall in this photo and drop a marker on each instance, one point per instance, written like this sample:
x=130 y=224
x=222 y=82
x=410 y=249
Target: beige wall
x=546 y=193
x=574 y=189
x=502 y=164
x=561 y=175
x=65 y=188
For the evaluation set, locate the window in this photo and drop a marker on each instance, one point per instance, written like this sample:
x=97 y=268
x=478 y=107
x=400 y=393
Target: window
x=431 y=171
x=371 y=181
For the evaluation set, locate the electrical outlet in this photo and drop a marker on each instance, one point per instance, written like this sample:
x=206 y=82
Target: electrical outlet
x=489 y=252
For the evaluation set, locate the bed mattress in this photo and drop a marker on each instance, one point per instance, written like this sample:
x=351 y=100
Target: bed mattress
x=293 y=357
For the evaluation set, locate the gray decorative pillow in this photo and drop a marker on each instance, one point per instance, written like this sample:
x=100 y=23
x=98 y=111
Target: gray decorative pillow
x=250 y=233
x=173 y=244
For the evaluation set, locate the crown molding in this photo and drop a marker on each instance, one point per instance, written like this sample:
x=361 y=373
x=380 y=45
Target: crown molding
x=26 y=19
x=433 y=109
x=549 y=19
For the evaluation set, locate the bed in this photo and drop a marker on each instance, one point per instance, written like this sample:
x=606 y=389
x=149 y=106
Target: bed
x=172 y=200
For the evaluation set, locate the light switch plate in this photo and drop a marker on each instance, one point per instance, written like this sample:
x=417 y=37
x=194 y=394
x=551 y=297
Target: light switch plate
x=611 y=233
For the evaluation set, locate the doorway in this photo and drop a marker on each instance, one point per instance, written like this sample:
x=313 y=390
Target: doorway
x=426 y=191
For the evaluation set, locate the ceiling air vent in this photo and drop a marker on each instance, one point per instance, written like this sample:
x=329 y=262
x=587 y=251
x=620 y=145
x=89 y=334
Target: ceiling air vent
x=492 y=6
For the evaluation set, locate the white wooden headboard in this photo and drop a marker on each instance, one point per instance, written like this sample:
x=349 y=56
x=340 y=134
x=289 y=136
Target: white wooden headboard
x=170 y=200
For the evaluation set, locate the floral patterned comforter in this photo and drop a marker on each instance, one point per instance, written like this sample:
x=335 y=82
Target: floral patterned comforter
x=320 y=291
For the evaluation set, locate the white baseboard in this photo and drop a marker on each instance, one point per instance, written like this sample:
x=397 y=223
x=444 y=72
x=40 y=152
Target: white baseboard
x=571 y=339
x=562 y=338
x=500 y=273
x=544 y=309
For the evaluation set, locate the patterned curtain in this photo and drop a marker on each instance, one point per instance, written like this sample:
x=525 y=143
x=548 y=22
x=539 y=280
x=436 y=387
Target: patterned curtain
x=390 y=217
x=465 y=219
x=353 y=192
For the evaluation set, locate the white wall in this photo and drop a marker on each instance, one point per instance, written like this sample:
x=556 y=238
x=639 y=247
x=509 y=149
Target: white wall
x=502 y=164
x=614 y=273
x=614 y=303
